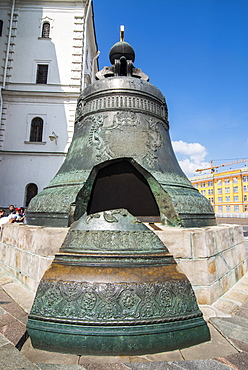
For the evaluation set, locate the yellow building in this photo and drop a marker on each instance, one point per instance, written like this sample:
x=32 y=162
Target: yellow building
x=227 y=191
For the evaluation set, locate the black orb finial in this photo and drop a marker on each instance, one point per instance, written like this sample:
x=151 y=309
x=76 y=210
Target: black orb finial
x=121 y=49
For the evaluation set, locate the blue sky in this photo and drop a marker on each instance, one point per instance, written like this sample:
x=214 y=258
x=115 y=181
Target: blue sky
x=196 y=53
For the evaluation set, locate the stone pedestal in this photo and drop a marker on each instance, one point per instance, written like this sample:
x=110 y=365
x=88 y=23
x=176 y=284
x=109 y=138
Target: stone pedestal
x=27 y=251
x=213 y=258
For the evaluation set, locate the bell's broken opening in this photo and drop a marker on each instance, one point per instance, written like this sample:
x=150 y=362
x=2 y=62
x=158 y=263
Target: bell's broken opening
x=121 y=185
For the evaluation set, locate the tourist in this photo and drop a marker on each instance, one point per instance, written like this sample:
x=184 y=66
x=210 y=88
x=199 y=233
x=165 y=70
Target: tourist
x=6 y=219
x=11 y=209
x=2 y=212
x=20 y=215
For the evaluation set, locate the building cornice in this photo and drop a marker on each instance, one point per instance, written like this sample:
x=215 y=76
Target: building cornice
x=36 y=153
x=43 y=94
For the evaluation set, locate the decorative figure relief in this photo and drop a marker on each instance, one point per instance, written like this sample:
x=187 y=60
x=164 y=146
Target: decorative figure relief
x=115 y=141
x=154 y=141
x=108 y=215
x=90 y=217
x=108 y=302
x=113 y=240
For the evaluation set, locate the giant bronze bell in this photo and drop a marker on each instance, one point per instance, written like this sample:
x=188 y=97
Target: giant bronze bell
x=121 y=156
x=113 y=287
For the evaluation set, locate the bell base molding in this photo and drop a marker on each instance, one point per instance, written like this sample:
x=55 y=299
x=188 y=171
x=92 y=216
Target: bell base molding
x=117 y=340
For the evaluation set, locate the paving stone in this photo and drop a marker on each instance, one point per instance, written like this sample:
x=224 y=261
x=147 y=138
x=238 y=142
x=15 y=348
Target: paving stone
x=3 y=297
x=207 y=311
x=153 y=366
x=12 y=359
x=235 y=327
x=106 y=367
x=6 y=319
x=106 y=359
x=242 y=346
x=245 y=305
x=24 y=319
x=236 y=296
x=3 y=340
x=237 y=361
x=218 y=346
x=59 y=367
x=13 y=331
x=6 y=279
x=242 y=287
x=2 y=273
x=242 y=313
x=22 y=296
x=163 y=356
x=38 y=356
x=186 y=365
x=226 y=306
x=10 y=306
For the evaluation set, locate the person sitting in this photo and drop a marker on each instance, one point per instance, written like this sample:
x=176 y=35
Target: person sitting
x=17 y=215
x=7 y=219
x=2 y=212
x=20 y=215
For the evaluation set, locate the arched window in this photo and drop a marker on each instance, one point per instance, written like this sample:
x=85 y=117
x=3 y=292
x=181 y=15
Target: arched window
x=46 y=30
x=36 y=129
x=31 y=191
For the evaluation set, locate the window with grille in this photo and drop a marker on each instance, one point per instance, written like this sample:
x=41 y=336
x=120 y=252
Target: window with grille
x=42 y=72
x=45 y=30
x=36 y=129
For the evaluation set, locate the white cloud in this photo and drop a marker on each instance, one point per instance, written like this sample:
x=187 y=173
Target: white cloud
x=193 y=156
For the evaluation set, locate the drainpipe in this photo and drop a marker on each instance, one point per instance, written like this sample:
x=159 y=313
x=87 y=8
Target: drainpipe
x=93 y=61
x=7 y=58
x=85 y=34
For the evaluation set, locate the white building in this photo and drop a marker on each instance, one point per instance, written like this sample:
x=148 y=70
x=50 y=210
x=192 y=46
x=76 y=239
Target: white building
x=44 y=66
